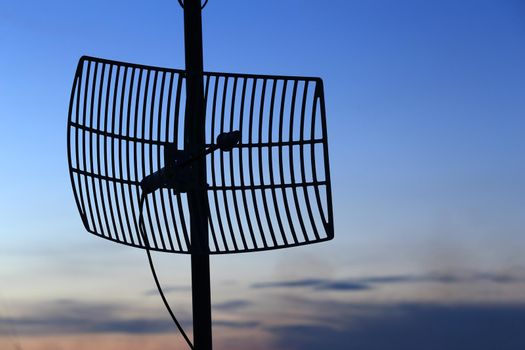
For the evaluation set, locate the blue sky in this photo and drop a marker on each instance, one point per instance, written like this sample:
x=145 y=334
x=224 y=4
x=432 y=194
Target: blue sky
x=426 y=115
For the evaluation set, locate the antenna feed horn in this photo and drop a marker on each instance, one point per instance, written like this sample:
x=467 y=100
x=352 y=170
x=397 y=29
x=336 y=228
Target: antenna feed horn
x=227 y=140
x=178 y=173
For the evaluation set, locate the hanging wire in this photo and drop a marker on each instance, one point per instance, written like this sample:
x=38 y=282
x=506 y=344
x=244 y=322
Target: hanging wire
x=181 y=3
x=154 y=273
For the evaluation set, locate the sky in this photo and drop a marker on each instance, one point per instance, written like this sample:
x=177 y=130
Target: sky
x=425 y=112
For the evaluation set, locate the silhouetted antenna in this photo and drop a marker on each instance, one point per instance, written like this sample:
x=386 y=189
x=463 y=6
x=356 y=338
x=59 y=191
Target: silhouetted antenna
x=186 y=161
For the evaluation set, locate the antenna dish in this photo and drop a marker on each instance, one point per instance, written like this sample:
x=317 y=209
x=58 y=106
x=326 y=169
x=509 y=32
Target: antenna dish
x=267 y=188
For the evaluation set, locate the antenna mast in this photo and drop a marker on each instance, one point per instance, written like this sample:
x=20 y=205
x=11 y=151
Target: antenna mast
x=194 y=142
x=270 y=182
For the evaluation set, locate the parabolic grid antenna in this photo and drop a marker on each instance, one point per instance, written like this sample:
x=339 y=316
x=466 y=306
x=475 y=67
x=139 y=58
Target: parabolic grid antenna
x=186 y=161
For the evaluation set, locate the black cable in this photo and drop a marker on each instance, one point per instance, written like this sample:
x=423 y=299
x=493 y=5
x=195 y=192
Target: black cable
x=154 y=273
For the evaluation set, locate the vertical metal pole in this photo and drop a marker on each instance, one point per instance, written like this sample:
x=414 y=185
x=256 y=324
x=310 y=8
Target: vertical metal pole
x=194 y=141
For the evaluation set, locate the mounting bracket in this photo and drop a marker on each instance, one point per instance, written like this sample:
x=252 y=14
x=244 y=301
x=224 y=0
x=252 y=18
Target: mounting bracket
x=178 y=173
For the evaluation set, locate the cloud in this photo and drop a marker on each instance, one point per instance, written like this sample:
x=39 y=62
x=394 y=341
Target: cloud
x=236 y=324
x=318 y=284
x=57 y=325
x=232 y=305
x=79 y=325
x=365 y=283
x=438 y=277
x=329 y=324
x=342 y=286
x=73 y=317
x=291 y=284
x=167 y=290
x=66 y=316
x=411 y=327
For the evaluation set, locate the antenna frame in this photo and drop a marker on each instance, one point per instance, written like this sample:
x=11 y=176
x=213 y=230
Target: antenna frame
x=195 y=143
